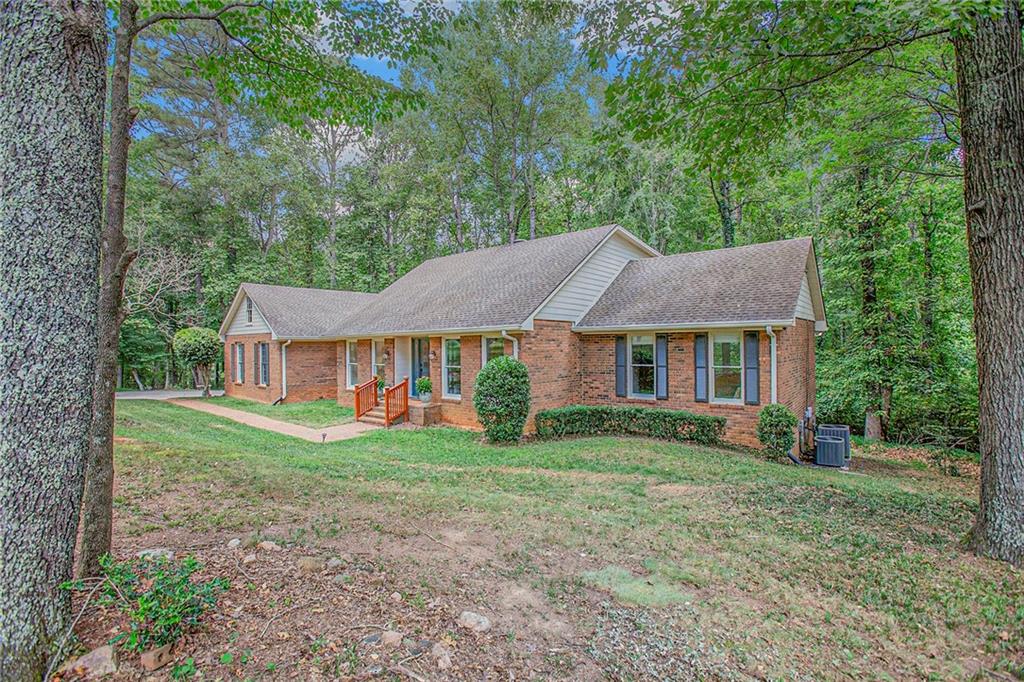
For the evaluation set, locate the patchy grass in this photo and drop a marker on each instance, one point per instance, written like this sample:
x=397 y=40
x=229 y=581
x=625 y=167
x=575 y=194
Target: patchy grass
x=746 y=566
x=314 y=414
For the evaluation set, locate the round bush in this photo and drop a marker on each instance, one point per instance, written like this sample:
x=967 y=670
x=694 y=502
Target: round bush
x=776 y=427
x=198 y=347
x=502 y=399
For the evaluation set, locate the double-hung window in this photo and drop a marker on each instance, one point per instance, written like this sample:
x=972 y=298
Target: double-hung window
x=351 y=364
x=248 y=310
x=378 y=358
x=264 y=359
x=451 y=368
x=727 y=368
x=641 y=366
x=493 y=347
x=240 y=363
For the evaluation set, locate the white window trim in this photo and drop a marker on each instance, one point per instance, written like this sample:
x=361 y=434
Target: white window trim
x=629 y=368
x=483 y=348
x=444 y=367
x=239 y=363
x=349 y=362
x=259 y=360
x=711 y=368
x=373 y=357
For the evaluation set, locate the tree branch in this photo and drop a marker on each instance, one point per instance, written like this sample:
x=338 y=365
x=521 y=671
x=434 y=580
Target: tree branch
x=201 y=16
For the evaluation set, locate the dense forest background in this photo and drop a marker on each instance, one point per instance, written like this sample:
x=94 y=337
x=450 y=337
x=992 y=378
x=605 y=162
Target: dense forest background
x=514 y=137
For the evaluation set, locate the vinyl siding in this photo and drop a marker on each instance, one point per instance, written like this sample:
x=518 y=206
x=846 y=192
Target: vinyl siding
x=804 y=306
x=584 y=287
x=240 y=325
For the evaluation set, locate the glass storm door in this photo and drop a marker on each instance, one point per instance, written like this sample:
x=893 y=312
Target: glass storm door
x=420 y=361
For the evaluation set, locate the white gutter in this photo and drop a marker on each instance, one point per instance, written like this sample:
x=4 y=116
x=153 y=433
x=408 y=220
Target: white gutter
x=684 y=326
x=771 y=335
x=515 y=343
x=284 y=371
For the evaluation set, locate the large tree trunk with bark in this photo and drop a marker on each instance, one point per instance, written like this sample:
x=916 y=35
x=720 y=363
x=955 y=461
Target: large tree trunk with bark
x=115 y=260
x=52 y=76
x=990 y=88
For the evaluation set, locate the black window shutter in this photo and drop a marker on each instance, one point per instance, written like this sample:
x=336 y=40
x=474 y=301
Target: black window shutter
x=620 y=366
x=700 y=368
x=661 y=366
x=234 y=362
x=241 y=362
x=751 y=369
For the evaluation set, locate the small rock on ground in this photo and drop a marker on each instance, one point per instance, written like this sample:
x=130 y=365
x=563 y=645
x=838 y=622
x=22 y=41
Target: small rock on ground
x=154 y=659
x=156 y=553
x=234 y=543
x=441 y=656
x=334 y=563
x=474 y=621
x=249 y=559
x=96 y=663
x=396 y=596
x=269 y=546
x=391 y=638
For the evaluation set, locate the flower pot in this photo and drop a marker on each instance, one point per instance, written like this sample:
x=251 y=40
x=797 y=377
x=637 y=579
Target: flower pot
x=426 y=396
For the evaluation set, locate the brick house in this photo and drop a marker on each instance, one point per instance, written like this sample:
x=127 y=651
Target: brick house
x=597 y=316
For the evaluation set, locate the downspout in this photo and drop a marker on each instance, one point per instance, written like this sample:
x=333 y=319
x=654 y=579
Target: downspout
x=284 y=372
x=515 y=343
x=774 y=390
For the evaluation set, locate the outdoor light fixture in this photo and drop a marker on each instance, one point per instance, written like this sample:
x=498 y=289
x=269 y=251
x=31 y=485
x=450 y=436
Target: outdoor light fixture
x=433 y=355
x=387 y=356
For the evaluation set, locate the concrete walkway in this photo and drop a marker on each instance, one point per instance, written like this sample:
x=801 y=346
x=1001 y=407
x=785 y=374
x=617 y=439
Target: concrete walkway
x=156 y=394
x=326 y=434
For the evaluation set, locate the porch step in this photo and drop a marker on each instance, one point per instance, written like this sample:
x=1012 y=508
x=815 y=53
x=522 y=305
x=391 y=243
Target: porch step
x=374 y=416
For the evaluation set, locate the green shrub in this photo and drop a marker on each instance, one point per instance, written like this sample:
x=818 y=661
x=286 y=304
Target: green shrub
x=158 y=595
x=423 y=385
x=588 y=420
x=198 y=347
x=501 y=397
x=776 y=427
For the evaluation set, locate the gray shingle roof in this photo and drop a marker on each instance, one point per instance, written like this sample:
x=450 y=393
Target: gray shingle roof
x=483 y=289
x=755 y=283
x=304 y=313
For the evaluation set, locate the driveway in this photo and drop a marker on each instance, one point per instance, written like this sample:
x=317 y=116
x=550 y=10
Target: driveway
x=162 y=395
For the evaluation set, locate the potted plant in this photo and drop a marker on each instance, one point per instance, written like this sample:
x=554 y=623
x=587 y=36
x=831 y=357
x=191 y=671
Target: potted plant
x=380 y=387
x=424 y=389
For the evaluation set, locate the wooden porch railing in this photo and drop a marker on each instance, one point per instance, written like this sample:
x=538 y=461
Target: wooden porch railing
x=366 y=397
x=396 y=402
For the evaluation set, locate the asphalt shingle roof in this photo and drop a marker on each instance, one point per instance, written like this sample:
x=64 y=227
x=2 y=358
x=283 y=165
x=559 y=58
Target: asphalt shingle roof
x=487 y=288
x=760 y=282
x=304 y=313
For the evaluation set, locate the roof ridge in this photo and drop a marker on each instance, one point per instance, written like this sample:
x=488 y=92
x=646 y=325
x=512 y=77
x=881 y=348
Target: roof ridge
x=723 y=249
x=286 y=286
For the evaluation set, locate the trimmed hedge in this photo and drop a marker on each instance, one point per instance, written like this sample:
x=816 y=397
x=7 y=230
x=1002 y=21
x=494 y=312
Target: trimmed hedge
x=775 y=429
x=592 y=420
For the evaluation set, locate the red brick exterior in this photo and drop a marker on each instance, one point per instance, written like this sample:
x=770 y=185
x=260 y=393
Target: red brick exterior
x=568 y=368
x=598 y=383
x=310 y=370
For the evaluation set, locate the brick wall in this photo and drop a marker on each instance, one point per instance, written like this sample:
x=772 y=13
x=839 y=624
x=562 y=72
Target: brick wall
x=311 y=371
x=551 y=353
x=795 y=350
x=248 y=388
x=597 y=386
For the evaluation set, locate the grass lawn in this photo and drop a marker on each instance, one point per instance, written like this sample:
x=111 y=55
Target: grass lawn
x=314 y=414
x=594 y=558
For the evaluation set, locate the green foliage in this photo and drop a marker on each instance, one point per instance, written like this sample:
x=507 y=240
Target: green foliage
x=776 y=429
x=158 y=595
x=424 y=385
x=501 y=397
x=590 y=420
x=197 y=346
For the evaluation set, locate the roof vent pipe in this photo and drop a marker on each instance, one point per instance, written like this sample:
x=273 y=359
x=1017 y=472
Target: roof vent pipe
x=515 y=343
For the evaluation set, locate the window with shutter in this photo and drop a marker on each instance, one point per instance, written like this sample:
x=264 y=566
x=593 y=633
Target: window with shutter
x=751 y=369
x=700 y=367
x=620 y=366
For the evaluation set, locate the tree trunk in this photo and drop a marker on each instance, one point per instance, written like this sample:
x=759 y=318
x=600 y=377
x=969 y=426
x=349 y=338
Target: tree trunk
x=877 y=417
x=138 y=380
x=53 y=80
x=114 y=262
x=723 y=200
x=990 y=90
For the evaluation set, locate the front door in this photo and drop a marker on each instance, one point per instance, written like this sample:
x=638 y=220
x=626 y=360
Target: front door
x=420 y=361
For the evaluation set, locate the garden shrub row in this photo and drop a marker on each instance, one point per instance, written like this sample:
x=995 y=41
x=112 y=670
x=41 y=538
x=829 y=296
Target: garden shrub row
x=592 y=420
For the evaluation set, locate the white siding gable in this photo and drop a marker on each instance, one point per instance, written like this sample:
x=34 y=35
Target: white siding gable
x=804 y=306
x=587 y=284
x=241 y=325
